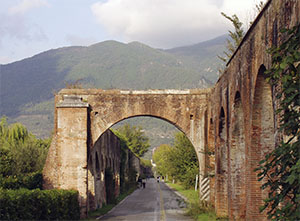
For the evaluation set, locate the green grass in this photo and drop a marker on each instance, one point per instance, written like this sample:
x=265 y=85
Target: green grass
x=199 y=210
x=92 y=215
x=190 y=194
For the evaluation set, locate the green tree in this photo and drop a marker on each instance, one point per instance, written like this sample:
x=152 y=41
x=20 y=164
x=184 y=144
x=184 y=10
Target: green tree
x=6 y=162
x=178 y=161
x=236 y=36
x=185 y=160
x=21 y=152
x=162 y=159
x=135 y=139
x=281 y=168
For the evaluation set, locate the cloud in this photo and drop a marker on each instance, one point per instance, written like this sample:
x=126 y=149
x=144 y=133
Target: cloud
x=26 y=5
x=15 y=25
x=167 y=23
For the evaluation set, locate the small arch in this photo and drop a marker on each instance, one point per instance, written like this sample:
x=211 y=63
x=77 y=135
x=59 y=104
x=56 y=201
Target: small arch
x=221 y=168
x=221 y=122
x=237 y=97
x=262 y=138
x=237 y=153
x=97 y=165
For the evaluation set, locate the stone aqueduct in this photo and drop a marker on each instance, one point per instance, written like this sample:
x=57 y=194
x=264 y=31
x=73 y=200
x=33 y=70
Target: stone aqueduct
x=235 y=119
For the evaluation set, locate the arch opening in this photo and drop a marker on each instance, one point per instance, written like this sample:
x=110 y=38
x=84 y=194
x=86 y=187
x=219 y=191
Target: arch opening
x=97 y=166
x=262 y=139
x=221 y=167
x=237 y=153
x=113 y=169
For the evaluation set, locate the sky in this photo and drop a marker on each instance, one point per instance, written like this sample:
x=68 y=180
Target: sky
x=29 y=27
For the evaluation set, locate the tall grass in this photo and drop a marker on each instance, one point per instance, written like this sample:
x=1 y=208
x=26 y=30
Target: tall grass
x=197 y=209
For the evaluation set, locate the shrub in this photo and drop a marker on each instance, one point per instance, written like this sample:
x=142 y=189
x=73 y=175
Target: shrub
x=29 y=181
x=24 y=204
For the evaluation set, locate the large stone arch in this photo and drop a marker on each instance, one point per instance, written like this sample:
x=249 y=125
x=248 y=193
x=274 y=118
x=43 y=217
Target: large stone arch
x=83 y=115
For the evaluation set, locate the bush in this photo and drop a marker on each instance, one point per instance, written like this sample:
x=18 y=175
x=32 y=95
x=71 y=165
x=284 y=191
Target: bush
x=23 y=204
x=29 y=181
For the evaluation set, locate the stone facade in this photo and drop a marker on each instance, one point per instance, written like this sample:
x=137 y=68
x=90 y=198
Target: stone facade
x=84 y=153
x=242 y=114
x=235 y=120
x=104 y=170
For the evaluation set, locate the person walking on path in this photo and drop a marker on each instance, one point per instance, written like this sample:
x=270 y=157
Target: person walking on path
x=144 y=182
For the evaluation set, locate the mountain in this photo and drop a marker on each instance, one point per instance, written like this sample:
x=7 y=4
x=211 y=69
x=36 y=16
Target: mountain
x=27 y=87
x=203 y=56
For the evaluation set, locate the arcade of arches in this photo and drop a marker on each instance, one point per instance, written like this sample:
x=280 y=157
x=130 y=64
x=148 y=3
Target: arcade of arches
x=235 y=119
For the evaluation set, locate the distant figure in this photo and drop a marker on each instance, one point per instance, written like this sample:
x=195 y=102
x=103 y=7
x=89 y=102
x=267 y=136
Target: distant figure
x=140 y=182
x=144 y=183
x=157 y=179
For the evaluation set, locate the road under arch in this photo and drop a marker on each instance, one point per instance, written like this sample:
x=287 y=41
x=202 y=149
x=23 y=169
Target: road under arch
x=83 y=115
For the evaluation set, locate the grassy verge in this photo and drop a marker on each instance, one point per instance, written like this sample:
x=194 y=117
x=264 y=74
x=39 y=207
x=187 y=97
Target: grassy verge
x=197 y=209
x=92 y=215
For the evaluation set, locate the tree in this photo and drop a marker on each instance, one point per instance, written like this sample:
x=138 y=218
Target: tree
x=185 y=160
x=236 y=36
x=280 y=170
x=162 y=159
x=21 y=152
x=135 y=139
x=178 y=161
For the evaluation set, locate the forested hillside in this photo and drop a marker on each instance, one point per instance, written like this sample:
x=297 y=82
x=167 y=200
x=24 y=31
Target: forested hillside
x=27 y=87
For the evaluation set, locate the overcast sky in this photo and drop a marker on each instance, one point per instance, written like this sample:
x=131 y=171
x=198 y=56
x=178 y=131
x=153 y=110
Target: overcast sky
x=28 y=27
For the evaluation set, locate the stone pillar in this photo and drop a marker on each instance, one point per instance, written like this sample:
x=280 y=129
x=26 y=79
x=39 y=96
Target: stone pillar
x=203 y=181
x=72 y=133
x=197 y=137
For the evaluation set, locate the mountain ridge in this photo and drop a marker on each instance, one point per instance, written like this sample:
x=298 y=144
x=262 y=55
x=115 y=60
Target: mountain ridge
x=27 y=86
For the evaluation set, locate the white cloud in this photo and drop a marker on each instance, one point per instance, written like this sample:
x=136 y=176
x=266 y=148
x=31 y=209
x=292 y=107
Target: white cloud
x=14 y=24
x=167 y=23
x=26 y=5
x=17 y=27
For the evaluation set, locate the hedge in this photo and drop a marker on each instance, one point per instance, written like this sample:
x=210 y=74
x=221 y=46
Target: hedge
x=24 y=204
x=29 y=181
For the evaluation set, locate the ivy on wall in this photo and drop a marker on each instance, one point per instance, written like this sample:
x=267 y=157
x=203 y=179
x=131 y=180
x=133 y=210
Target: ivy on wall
x=281 y=167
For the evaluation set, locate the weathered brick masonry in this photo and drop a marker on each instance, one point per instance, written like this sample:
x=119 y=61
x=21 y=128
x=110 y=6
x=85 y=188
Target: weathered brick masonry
x=82 y=148
x=235 y=119
x=242 y=114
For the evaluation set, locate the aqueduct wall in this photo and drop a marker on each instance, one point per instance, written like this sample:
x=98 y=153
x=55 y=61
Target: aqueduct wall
x=235 y=119
x=84 y=115
x=242 y=114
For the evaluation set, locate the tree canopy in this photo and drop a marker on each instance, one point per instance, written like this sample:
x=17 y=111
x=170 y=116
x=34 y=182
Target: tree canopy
x=20 y=151
x=135 y=138
x=179 y=161
x=236 y=36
